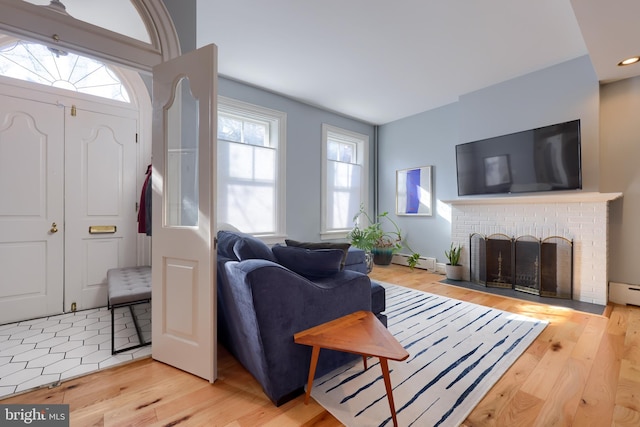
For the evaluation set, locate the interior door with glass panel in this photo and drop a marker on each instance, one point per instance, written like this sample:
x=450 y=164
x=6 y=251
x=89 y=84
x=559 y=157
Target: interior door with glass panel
x=183 y=182
x=31 y=209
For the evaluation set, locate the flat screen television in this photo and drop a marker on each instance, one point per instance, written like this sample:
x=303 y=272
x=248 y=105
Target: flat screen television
x=542 y=159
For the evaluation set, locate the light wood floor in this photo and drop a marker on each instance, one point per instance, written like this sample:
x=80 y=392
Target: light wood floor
x=583 y=370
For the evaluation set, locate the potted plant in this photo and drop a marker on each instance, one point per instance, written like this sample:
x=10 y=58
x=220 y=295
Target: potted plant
x=412 y=261
x=373 y=239
x=453 y=268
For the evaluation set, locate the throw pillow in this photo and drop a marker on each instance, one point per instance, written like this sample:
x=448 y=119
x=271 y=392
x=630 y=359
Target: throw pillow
x=309 y=263
x=226 y=240
x=249 y=247
x=323 y=245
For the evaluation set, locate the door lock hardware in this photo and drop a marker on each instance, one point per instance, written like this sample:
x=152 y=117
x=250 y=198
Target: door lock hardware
x=54 y=228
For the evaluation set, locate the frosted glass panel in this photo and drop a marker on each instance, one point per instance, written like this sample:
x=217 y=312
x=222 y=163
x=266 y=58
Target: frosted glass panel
x=247 y=187
x=343 y=191
x=181 y=201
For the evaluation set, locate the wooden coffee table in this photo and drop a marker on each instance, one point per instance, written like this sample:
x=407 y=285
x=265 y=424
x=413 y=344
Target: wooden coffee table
x=359 y=333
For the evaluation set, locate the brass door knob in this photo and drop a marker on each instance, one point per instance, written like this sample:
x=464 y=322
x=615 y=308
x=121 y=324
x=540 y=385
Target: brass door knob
x=54 y=228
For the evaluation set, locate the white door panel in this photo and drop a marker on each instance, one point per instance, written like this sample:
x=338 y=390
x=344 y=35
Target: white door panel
x=31 y=200
x=183 y=182
x=100 y=192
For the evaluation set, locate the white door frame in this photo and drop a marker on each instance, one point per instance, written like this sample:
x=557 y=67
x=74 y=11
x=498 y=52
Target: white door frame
x=34 y=22
x=28 y=21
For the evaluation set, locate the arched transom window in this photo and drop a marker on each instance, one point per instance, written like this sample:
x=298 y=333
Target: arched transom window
x=37 y=63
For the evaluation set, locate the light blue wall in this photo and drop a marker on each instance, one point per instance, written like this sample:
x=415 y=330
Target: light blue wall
x=426 y=139
x=557 y=94
x=183 y=15
x=553 y=95
x=620 y=133
x=304 y=137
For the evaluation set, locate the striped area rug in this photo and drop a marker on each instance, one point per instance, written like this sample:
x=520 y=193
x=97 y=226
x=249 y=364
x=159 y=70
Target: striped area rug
x=458 y=351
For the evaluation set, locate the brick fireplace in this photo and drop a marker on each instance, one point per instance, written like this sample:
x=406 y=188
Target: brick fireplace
x=577 y=216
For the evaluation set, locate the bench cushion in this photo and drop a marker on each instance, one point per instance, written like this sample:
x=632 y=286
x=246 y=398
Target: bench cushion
x=129 y=284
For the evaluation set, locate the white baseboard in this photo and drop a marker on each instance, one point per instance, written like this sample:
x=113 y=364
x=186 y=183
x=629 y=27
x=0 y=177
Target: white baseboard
x=623 y=293
x=440 y=268
x=424 y=263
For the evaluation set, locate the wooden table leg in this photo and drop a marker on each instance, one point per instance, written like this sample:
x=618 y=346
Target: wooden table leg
x=315 y=352
x=387 y=384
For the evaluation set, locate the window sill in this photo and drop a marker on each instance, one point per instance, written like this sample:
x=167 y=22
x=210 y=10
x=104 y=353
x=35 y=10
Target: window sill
x=333 y=235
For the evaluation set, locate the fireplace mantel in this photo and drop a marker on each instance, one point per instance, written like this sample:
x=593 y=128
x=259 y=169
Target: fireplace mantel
x=581 y=217
x=573 y=197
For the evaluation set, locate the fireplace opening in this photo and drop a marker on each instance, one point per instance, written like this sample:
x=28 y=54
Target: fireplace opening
x=526 y=263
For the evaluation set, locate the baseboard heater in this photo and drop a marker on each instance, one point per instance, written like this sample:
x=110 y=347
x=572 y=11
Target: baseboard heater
x=623 y=293
x=424 y=263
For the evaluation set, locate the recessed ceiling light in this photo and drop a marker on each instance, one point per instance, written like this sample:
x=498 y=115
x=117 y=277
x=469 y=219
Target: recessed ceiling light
x=629 y=61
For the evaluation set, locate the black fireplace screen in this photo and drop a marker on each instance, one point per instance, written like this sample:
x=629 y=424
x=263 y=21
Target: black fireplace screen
x=527 y=264
x=499 y=263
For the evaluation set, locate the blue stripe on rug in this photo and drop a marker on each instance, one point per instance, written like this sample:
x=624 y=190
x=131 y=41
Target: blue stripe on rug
x=458 y=351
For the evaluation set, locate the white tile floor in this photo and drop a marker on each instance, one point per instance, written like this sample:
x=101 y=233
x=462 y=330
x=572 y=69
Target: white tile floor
x=45 y=351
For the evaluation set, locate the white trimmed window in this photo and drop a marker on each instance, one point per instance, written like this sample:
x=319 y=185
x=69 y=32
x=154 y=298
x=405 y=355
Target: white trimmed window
x=344 y=179
x=251 y=168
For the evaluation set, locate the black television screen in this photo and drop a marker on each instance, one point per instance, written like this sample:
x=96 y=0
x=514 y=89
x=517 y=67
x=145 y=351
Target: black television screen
x=542 y=159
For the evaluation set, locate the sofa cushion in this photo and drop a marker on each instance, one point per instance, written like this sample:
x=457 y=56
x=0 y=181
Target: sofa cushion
x=309 y=262
x=322 y=245
x=355 y=256
x=248 y=247
x=378 y=297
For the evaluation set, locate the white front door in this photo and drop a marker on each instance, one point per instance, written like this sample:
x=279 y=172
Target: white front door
x=100 y=198
x=31 y=209
x=77 y=171
x=183 y=182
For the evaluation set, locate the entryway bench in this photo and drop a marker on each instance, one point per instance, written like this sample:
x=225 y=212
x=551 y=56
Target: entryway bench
x=128 y=286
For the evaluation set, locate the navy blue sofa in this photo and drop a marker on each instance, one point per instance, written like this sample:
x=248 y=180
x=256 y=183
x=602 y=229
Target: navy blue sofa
x=262 y=304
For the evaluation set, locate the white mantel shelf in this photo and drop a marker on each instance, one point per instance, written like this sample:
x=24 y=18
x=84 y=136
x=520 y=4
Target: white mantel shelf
x=577 y=197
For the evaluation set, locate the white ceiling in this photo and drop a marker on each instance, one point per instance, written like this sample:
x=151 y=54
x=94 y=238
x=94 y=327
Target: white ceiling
x=382 y=60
